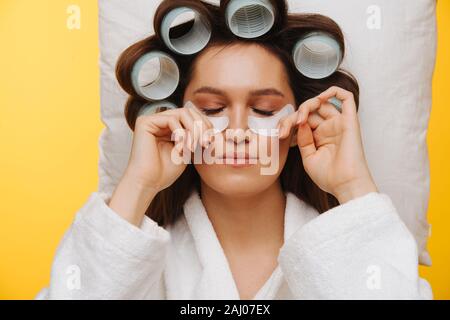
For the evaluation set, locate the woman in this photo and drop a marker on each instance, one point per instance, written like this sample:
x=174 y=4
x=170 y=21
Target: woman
x=316 y=229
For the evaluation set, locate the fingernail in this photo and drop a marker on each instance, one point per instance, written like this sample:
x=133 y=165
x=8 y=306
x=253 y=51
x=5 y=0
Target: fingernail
x=189 y=104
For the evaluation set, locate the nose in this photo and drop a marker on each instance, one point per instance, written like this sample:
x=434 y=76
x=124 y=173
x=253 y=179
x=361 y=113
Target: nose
x=238 y=116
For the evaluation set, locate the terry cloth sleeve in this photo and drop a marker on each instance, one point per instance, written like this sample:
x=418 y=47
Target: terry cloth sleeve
x=103 y=256
x=358 y=250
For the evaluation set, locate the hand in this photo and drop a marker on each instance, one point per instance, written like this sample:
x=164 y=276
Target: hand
x=330 y=145
x=151 y=164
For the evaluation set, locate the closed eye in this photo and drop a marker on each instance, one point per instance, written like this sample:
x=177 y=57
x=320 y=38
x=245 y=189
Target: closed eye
x=263 y=112
x=212 y=111
x=218 y=110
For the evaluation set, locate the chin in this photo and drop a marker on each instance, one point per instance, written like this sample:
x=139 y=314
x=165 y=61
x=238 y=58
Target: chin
x=234 y=181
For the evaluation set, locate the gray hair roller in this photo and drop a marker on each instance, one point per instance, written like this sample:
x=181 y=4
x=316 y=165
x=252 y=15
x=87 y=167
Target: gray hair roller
x=250 y=18
x=317 y=55
x=143 y=78
x=191 y=42
x=155 y=107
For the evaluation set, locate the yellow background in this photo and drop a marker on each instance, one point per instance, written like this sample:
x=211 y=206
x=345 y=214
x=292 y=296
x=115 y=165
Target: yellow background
x=50 y=124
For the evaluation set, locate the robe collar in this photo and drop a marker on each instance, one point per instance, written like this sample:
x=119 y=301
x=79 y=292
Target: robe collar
x=217 y=280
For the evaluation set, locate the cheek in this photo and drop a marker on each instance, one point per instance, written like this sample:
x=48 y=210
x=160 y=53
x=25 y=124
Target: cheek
x=284 y=148
x=273 y=148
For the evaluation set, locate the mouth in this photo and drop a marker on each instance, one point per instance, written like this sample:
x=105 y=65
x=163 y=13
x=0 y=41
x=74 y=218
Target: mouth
x=239 y=160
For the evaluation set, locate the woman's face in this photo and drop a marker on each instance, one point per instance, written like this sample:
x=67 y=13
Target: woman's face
x=238 y=81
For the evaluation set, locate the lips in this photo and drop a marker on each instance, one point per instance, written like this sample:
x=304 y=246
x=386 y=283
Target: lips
x=239 y=159
x=236 y=156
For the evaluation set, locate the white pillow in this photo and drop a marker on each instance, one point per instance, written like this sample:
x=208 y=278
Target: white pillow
x=391 y=51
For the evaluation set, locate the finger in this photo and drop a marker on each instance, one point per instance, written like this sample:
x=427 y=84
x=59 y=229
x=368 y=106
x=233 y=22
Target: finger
x=327 y=110
x=203 y=125
x=347 y=98
x=164 y=124
x=187 y=121
x=305 y=141
x=178 y=133
x=179 y=139
x=314 y=120
x=193 y=107
x=167 y=122
x=306 y=107
x=198 y=127
x=285 y=125
x=329 y=129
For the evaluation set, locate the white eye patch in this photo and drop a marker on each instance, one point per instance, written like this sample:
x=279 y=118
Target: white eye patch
x=219 y=123
x=267 y=126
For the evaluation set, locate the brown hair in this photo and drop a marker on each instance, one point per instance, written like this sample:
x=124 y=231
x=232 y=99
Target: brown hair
x=167 y=206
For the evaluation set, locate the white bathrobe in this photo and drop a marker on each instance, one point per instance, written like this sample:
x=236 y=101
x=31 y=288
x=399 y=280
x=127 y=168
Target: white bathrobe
x=358 y=250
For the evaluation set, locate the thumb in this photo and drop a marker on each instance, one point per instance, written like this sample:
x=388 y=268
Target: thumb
x=305 y=140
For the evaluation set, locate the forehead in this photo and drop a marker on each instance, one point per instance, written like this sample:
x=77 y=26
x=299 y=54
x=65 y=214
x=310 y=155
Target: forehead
x=239 y=65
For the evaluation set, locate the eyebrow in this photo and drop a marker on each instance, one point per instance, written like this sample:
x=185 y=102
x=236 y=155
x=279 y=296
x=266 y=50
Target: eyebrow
x=260 y=92
x=267 y=92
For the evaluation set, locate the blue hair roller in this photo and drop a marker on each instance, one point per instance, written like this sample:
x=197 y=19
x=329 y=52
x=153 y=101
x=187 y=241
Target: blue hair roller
x=147 y=85
x=191 y=42
x=250 y=18
x=317 y=55
x=336 y=103
x=155 y=107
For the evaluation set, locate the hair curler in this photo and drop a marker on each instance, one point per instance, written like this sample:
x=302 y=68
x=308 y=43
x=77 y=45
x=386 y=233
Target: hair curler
x=317 y=55
x=193 y=40
x=250 y=18
x=149 y=85
x=336 y=103
x=155 y=107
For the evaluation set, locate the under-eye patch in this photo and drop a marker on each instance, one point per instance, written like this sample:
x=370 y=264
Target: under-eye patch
x=219 y=123
x=267 y=126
